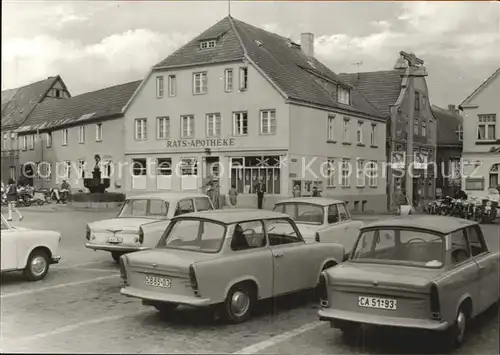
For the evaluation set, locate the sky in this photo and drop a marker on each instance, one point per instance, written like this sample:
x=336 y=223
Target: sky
x=96 y=44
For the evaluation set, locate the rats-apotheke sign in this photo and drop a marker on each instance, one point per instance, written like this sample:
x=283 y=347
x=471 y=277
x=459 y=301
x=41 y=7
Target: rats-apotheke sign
x=201 y=143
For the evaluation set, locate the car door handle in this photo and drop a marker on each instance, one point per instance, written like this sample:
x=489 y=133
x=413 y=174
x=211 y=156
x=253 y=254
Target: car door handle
x=278 y=255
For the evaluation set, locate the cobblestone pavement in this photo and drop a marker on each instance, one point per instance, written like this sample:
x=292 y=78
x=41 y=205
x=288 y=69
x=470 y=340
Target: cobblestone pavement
x=78 y=309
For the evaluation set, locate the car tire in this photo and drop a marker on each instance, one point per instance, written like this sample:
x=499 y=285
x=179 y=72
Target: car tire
x=37 y=265
x=116 y=256
x=455 y=335
x=351 y=333
x=239 y=303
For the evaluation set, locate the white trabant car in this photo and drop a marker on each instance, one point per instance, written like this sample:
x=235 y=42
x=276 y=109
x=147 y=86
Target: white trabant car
x=322 y=219
x=228 y=259
x=31 y=251
x=142 y=220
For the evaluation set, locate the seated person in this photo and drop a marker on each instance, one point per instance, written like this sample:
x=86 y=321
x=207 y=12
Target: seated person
x=239 y=240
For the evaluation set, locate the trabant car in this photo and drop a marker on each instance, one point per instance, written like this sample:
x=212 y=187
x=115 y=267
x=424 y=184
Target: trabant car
x=141 y=221
x=322 y=219
x=31 y=251
x=423 y=272
x=227 y=259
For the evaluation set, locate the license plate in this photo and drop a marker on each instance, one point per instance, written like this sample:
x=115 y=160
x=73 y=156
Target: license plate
x=115 y=239
x=375 y=302
x=158 y=281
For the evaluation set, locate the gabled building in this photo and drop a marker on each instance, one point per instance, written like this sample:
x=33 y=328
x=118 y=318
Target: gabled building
x=242 y=103
x=59 y=139
x=388 y=91
x=449 y=149
x=481 y=144
x=17 y=104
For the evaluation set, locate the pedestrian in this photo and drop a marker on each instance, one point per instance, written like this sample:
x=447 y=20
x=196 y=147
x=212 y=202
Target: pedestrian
x=12 y=199
x=399 y=200
x=232 y=196
x=260 y=188
x=296 y=190
x=316 y=192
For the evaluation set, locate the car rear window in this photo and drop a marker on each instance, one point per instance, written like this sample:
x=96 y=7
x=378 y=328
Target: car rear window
x=149 y=208
x=401 y=247
x=196 y=235
x=302 y=212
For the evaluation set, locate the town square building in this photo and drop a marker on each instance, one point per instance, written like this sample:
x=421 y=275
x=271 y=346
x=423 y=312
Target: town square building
x=481 y=138
x=240 y=103
x=17 y=105
x=59 y=139
x=389 y=91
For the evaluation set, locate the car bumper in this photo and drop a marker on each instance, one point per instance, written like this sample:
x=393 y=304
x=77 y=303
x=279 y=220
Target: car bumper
x=55 y=260
x=110 y=247
x=158 y=297
x=332 y=315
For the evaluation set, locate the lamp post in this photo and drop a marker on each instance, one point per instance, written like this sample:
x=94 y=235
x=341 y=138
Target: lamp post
x=415 y=69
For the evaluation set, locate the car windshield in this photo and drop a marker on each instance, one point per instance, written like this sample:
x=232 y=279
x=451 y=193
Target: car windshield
x=400 y=247
x=302 y=212
x=148 y=208
x=196 y=235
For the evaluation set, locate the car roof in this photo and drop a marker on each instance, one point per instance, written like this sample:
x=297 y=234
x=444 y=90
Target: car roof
x=322 y=201
x=440 y=224
x=230 y=216
x=167 y=195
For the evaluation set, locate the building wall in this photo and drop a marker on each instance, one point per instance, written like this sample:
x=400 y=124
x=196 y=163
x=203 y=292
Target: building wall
x=110 y=148
x=484 y=102
x=260 y=95
x=310 y=150
x=424 y=182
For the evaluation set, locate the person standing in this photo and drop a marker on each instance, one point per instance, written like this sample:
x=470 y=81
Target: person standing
x=259 y=190
x=12 y=199
x=399 y=200
x=233 y=197
x=315 y=192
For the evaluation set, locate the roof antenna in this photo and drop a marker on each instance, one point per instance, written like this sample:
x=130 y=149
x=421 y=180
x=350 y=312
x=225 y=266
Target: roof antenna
x=358 y=63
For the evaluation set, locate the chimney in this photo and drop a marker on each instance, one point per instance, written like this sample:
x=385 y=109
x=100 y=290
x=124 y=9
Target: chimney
x=452 y=108
x=307 y=43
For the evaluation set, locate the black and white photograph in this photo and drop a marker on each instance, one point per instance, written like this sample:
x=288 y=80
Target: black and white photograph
x=250 y=177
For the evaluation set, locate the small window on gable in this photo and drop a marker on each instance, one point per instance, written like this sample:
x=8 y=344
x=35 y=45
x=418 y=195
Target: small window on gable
x=207 y=44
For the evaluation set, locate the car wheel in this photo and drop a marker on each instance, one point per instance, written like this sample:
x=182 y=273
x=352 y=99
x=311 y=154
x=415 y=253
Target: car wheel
x=37 y=265
x=351 y=333
x=165 y=308
x=239 y=303
x=116 y=256
x=456 y=333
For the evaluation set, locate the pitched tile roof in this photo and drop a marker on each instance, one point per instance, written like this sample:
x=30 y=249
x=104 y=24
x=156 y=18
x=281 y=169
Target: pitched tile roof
x=18 y=103
x=448 y=124
x=296 y=75
x=381 y=88
x=102 y=103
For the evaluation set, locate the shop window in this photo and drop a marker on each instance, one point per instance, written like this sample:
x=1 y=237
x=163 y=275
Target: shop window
x=495 y=176
x=246 y=171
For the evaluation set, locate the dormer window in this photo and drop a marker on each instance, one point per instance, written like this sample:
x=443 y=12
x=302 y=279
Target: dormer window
x=207 y=44
x=343 y=95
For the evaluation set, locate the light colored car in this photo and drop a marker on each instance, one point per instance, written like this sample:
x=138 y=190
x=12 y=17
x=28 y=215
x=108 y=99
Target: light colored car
x=422 y=272
x=322 y=219
x=141 y=221
x=29 y=250
x=228 y=259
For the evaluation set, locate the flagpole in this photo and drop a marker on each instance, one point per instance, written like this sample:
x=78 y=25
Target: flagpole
x=229 y=7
